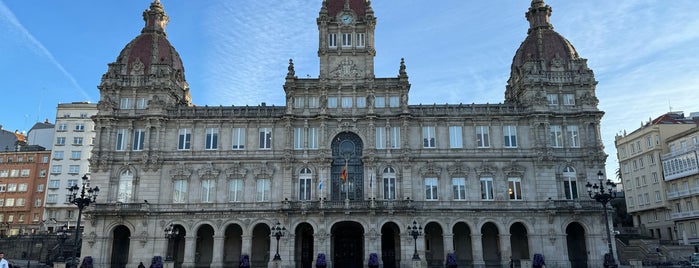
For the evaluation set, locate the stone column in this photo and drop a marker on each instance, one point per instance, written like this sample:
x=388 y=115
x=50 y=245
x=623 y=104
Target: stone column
x=217 y=255
x=477 y=247
x=246 y=245
x=448 y=244
x=505 y=248
x=189 y=249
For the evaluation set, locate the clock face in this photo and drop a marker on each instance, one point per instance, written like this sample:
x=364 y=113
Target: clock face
x=346 y=19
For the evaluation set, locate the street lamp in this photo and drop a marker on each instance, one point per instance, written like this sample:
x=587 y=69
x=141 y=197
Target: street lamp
x=81 y=197
x=171 y=233
x=603 y=195
x=415 y=230
x=278 y=231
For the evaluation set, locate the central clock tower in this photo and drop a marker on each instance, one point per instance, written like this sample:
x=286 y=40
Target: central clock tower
x=346 y=39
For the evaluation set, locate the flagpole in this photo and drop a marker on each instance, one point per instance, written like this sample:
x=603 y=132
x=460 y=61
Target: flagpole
x=371 y=184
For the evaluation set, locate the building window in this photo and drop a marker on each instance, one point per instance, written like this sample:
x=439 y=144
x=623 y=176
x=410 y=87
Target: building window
x=59 y=141
x=238 y=138
x=208 y=190
x=141 y=103
x=56 y=169
x=62 y=127
x=211 y=139
x=389 y=183
x=313 y=102
x=58 y=155
x=298 y=102
x=552 y=99
x=14 y=173
x=380 y=138
x=428 y=137
x=125 y=103
x=79 y=127
x=305 y=179
x=573 y=136
x=514 y=189
x=569 y=99
x=298 y=138
x=42 y=173
x=556 y=136
x=22 y=187
x=40 y=188
x=570 y=185
x=332 y=102
x=235 y=190
x=487 y=188
x=393 y=101
x=51 y=198
x=332 y=40
x=4 y=173
x=12 y=187
x=75 y=155
x=265 y=138
x=125 y=190
x=456 y=137
x=54 y=184
x=312 y=138
x=431 y=189
x=24 y=173
x=139 y=136
x=44 y=159
x=361 y=42
x=73 y=169
x=184 y=141
x=347 y=102
x=121 y=140
x=263 y=190
x=394 y=137
x=179 y=194
x=346 y=39
x=361 y=102
x=459 y=188
x=482 y=136
x=510 y=135
x=380 y=102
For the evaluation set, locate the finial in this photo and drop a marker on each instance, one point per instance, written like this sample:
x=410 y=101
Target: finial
x=155 y=18
x=401 y=71
x=539 y=15
x=291 y=72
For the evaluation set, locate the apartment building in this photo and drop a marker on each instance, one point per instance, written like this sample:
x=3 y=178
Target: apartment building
x=682 y=180
x=23 y=176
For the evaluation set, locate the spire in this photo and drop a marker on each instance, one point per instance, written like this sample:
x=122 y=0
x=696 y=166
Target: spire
x=539 y=16
x=155 y=18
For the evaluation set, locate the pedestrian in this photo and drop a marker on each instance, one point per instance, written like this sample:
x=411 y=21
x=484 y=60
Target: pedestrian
x=140 y=265
x=3 y=261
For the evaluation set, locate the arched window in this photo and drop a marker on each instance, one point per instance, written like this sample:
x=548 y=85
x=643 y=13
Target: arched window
x=389 y=183
x=305 y=179
x=570 y=185
x=125 y=191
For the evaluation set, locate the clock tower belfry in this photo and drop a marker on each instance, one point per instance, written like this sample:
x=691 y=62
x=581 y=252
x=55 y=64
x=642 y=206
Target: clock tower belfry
x=346 y=39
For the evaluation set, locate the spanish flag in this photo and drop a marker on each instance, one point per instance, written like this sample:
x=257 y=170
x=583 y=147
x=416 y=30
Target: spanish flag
x=343 y=174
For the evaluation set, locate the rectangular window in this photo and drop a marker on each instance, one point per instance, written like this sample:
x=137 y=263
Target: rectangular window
x=552 y=99
x=573 y=136
x=42 y=173
x=313 y=102
x=393 y=101
x=428 y=137
x=305 y=188
x=346 y=39
x=510 y=135
x=184 y=140
x=459 y=188
x=24 y=173
x=211 y=139
x=51 y=198
x=394 y=137
x=40 y=188
x=139 y=136
x=22 y=187
x=62 y=127
x=361 y=102
x=265 y=138
x=3 y=188
x=56 y=169
x=298 y=102
x=208 y=190
x=361 y=42
x=389 y=188
x=263 y=190
x=59 y=141
x=379 y=102
x=556 y=136
x=12 y=187
x=312 y=138
x=10 y=202
x=658 y=196
x=514 y=188
x=75 y=155
x=58 y=155
x=141 y=103
x=125 y=103
x=482 y=136
x=121 y=140
x=347 y=102
x=332 y=102
x=179 y=193
x=487 y=189
x=456 y=137
x=238 y=138
x=332 y=40
x=44 y=159
x=235 y=190
x=431 y=189
x=380 y=138
x=80 y=127
x=54 y=184
x=4 y=173
x=20 y=203
x=298 y=138
x=73 y=169
x=569 y=99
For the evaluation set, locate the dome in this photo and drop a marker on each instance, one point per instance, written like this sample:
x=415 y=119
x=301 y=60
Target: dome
x=151 y=47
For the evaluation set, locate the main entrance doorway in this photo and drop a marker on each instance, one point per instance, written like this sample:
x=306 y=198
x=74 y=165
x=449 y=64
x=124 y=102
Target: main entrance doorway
x=348 y=245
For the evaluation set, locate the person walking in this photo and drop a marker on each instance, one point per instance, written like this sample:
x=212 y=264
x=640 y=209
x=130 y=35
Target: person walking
x=3 y=261
x=140 y=265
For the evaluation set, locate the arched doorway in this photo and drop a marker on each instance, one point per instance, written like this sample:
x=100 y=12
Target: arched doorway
x=347 y=153
x=490 y=238
x=434 y=245
x=259 y=257
x=348 y=244
x=232 y=245
x=577 y=248
x=120 y=246
x=463 y=248
x=519 y=242
x=304 y=246
x=390 y=245
x=205 y=246
x=175 y=247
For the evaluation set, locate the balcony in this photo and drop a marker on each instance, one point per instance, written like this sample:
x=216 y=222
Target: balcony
x=682 y=193
x=685 y=215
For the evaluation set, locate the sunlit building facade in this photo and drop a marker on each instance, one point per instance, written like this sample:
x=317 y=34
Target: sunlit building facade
x=347 y=164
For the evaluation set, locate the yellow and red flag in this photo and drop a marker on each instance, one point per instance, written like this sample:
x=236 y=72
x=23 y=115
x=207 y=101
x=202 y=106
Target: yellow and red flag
x=343 y=174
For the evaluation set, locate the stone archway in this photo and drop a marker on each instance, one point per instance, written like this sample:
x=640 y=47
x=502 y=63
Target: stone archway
x=519 y=242
x=120 y=246
x=577 y=247
x=390 y=245
x=261 y=241
x=490 y=239
x=203 y=255
x=232 y=245
x=434 y=245
x=177 y=246
x=347 y=150
x=303 y=245
x=462 y=245
x=347 y=244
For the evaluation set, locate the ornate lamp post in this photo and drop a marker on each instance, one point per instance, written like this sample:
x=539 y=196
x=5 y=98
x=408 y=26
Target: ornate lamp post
x=81 y=197
x=171 y=233
x=415 y=230
x=278 y=231
x=603 y=195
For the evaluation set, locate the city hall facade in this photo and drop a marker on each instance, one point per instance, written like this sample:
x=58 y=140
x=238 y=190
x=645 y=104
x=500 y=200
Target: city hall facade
x=347 y=165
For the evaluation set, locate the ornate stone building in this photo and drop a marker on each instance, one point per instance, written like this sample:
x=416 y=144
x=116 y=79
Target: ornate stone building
x=347 y=164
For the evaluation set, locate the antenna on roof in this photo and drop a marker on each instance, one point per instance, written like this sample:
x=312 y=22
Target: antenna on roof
x=669 y=105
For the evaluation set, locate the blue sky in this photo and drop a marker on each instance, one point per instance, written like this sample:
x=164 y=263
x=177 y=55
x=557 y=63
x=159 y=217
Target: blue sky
x=645 y=53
